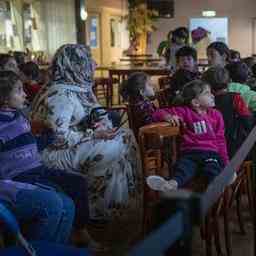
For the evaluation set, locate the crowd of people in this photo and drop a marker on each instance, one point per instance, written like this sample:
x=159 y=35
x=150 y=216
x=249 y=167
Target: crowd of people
x=78 y=172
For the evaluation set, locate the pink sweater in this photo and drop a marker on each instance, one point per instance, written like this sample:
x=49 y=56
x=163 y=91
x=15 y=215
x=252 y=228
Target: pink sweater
x=200 y=131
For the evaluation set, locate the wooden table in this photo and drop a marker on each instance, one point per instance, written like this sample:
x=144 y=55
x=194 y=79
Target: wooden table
x=144 y=61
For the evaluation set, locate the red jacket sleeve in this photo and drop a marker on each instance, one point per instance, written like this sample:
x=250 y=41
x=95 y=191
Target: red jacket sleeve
x=240 y=105
x=220 y=137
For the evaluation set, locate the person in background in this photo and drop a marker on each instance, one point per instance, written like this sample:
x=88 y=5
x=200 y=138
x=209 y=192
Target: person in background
x=218 y=54
x=8 y=62
x=234 y=56
x=186 y=59
x=239 y=74
x=203 y=141
x=20 y=57
x=31 y=73
x=164 y=45
x=236 y=115
x=138 y=91
x=179 y=38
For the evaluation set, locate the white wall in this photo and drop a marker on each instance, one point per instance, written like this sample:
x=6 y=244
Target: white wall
x=239 y=12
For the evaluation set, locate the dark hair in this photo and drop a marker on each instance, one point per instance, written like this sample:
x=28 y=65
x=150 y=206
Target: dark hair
x=254 y=70
x=180 y=32
x=31 y=70
x=216 y=77
x=180 y=78
x=131 y=87
x=238 y=72
x=191 y=90
x=221 y=48
x=249 y=61
x=186 y=51
x=19 y=57
x=4 y=58
x=8 y=79
x=233 y=54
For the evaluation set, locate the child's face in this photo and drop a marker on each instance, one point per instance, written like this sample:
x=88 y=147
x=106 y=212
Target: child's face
x=205 y=99
x=17 y=97
x=180 y=40
x=12 y=66
x=187 y=63
x=215 y=59
x=148 y=91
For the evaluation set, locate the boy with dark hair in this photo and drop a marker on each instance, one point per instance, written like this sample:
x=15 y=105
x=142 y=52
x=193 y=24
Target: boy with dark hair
x=236 y=115
x=186 y=58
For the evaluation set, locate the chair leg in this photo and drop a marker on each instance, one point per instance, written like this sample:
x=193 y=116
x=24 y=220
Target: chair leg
x=250 y=198
x=217 y=236
x=227 y=230
x=208 y=236
x=238 y=212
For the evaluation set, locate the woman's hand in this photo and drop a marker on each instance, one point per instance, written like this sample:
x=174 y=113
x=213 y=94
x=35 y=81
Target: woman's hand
x=173 y=120
x=105 y=135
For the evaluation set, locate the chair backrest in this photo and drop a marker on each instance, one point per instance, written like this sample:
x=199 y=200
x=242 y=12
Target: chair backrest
x=163 y=98
x=132 y=120
x=164 y=82
x=102 y=90
x=151 y=142
x=152 y=137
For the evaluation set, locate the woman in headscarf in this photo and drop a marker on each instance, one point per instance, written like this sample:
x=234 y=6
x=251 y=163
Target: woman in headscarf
x=108 y=158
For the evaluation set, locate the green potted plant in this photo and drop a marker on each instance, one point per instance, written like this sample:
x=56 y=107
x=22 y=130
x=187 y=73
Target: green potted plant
x=140 y=21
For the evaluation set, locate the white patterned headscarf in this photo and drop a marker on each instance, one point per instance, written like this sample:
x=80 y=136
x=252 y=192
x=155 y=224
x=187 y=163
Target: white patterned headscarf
x=73 y=65
x=72 y=69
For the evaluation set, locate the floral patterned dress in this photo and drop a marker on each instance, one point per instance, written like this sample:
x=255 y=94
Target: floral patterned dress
x=112 y=167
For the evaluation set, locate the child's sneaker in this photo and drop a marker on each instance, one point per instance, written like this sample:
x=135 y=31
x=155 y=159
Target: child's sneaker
x=158 y=183
x=233 y=179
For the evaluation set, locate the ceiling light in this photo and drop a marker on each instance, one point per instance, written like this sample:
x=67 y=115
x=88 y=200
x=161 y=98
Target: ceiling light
x=208 y=13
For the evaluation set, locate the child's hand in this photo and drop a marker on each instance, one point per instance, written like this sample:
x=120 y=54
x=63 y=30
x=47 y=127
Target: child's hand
x=173 y=120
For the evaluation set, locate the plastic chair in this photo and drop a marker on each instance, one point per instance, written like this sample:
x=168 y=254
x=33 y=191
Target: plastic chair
x=35 y=248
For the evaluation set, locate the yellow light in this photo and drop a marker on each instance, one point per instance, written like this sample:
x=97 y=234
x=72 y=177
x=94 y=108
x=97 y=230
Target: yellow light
x=83 y=14
x=208 y=13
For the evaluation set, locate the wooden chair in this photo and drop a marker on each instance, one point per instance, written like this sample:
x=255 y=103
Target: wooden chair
x=241 y=186
x=222 y=209
x=164 y=82
x=150 y=140
x=163 y=98
x=103 y=90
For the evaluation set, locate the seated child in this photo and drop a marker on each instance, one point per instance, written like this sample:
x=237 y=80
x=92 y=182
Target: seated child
x=234 y=56
x=202 y=135
x=138 y=91
x=218 y=54
x=8 y=62
x=186 y=58
x=239 y=73
x=236 y=115
x=31 y=74
x=45 y=195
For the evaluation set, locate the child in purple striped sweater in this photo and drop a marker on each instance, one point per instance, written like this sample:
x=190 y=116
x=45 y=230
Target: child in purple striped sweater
x=34 y=193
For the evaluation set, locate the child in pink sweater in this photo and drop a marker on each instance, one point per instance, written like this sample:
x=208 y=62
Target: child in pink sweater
x=202 y=141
